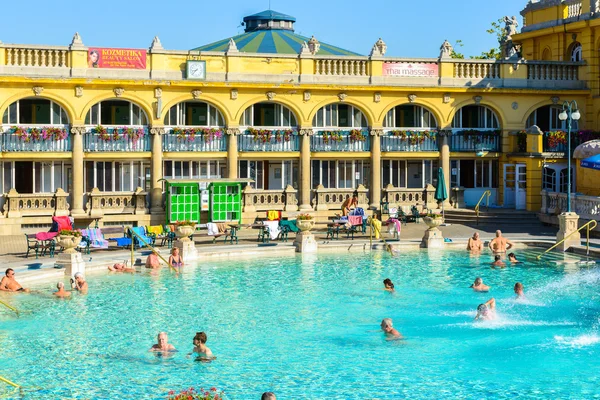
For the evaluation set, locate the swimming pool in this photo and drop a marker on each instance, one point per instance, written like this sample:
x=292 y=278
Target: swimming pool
x=307 y=327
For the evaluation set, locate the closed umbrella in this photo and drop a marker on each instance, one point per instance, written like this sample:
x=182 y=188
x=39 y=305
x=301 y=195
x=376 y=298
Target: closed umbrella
x=441 y=194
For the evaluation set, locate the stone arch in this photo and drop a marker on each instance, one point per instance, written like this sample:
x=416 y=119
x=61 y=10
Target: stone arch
x=533 y=108
x=124 y=97
x=497 y=110
x=425 y=104
x=546 y=54
x=334 y=100
x=284 y=102
x=203 y=98
x=46 y=96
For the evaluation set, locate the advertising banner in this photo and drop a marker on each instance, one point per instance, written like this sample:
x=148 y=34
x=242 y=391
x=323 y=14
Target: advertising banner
x=411 y=70
x=99 y=57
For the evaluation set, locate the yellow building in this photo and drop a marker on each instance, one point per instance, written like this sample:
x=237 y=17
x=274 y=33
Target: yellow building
x=92 y=132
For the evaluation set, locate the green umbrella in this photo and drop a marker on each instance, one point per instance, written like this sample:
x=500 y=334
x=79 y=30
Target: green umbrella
x=441 y=194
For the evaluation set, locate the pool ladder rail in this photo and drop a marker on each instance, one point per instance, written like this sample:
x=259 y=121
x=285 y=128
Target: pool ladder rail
x=487 y=193
x=387 y=245
x=10 y=307
x=588 y=227
x=150 y=247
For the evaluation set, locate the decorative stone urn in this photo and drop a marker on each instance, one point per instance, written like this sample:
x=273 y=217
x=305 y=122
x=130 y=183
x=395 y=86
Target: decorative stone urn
x=305 y=225
x=433 y=223
x=184 y=231
x=69 y=243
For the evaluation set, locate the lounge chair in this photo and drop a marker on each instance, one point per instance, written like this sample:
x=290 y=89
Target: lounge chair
x=141 y=237
x=92 y=238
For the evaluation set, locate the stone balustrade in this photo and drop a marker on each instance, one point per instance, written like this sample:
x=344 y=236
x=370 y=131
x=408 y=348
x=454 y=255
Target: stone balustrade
x=477 y=69
x=35 y=204
x=423 y=198
x=553 y=71
x=332 y=199
x=113 y=203
x=587 y=207
x=35 y=56
x=342 y=66
x=266 y=200
x=574 y=8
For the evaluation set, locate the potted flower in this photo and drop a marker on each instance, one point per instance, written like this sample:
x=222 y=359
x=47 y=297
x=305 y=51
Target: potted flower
x=305 y=222
x=69 y=240
x=433 y=220
x=194 y=394
x=184 y=229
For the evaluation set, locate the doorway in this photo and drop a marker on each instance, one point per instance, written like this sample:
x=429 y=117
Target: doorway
x=515 y=186
x=24 y=176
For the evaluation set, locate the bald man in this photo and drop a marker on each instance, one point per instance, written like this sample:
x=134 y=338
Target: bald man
x=500 y=244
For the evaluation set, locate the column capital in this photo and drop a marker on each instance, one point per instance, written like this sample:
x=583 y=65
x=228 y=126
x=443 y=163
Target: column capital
x=233 y=131
x=78 y=130
x=157 y=130
x=376 y=132
x=305 y=131
x=445 y=132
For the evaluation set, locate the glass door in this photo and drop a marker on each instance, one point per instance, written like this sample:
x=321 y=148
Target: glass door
x=521 y=187
x=509 y=185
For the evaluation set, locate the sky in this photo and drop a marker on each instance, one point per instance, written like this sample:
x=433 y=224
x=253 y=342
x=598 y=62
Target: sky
x=409 y=28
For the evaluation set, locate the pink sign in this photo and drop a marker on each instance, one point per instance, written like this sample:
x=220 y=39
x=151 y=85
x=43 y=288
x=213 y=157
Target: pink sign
x=116 y=58
x=411 y=70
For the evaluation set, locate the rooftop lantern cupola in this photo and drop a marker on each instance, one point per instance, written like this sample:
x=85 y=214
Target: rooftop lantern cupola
x=268 y=20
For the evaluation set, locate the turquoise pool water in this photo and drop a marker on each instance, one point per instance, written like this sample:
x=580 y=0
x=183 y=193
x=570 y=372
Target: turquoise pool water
x=308 y=328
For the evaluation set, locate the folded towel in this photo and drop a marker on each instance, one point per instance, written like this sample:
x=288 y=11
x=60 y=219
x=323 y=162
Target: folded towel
x=355 y=220
x=273 y=228
x=213 y=229
x=45 y=235
x=274 y=215
x=221 y=227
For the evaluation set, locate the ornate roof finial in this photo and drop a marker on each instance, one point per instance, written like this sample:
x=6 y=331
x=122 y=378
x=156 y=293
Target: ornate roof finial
x=379 y=49
x=156 y=45
x=446 y=50
x=231 y=47
x=314 y=45
x=304 y=50
x=76 y=42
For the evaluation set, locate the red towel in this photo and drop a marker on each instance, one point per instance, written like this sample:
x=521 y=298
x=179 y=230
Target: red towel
x=355 y=219
x=45 y=235
x=64 y=223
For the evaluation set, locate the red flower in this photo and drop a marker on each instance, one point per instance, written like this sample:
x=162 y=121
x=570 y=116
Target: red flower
x=213 y=389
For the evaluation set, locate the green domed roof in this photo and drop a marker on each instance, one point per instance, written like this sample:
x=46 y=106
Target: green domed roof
x=272 y=32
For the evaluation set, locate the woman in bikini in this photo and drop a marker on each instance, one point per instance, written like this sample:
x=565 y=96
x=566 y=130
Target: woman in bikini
x=175 y=260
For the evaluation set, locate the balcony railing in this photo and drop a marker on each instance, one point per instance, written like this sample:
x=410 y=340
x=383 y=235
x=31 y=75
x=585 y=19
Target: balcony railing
x=556 y=141
x=194 y=139
x=422 y=198
x=35 y=138
x=475 y=140
x=409 y=139
x=476 y=69
x=265 y=200
x=332 y=199
x=340 y=140
x=257 y=139
x=116 y=203
x=36 y=204
x=587 y=207
x=116 y=138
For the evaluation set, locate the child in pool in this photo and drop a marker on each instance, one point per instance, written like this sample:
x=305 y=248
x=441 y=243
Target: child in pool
x=200 y=348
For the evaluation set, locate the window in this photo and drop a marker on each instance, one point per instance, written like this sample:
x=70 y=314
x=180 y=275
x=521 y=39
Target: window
x=194 y=114
x=474 y=173
x=475 y=117
x=340 y=174
x=268 y=115
x=409 y=174
x=270 y=175
x=339 y=116
x=576 y=52
x=546 y=118
x=194 y=169
x=549 y=179
x=409 y=116
x=35 y=111
x=116 y=112
x=113 y=176
x=564 y=183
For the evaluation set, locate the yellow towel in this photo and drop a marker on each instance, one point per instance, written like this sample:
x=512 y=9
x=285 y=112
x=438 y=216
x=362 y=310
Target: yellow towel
x=376 y=227
x=157 y=229
x=272 y=215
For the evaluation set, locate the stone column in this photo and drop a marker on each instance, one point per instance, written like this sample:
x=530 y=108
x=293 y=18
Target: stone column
x=445 y=161
x=77 y=161
x=568 y=224
x=156 y=202
x=232 y=152
x=375 y=185
x=305 y=135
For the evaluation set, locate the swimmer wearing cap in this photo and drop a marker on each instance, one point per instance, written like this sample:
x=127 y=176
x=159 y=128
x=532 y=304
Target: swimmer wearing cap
x=487 y=310
x=79 y=283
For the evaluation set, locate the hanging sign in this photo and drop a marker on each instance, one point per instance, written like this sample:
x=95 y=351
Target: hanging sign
x=411 y=70
x=100 y=57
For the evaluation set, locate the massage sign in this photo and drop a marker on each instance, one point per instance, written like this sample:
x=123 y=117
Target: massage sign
x=99 y=57
x=411 y=70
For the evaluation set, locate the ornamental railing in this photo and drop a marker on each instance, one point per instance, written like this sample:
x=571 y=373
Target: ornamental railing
x=556 y=141
x=332 y=199
x=36 y=204
x=340 y=140
x=423 y=198
x=409 y=139
x=268 y=139
x=553 y=71
x=467 y=140
x=342 y=67
x=132 y=138
x=477 y=69
x=33 y=56
x=194 y=139
x=265 y=200
x=555 y=203
x=115 y=203
x=34 y=138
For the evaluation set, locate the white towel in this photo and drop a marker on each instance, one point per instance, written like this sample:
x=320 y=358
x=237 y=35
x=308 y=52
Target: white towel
x=273 y=228
x=213 y=229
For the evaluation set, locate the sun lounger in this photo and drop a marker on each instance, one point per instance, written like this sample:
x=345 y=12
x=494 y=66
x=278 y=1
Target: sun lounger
x=92 y=238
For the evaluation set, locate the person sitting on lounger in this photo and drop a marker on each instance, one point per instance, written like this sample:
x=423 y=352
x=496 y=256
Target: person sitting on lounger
x=350 y=202
x=9 y=284
x=61 y=292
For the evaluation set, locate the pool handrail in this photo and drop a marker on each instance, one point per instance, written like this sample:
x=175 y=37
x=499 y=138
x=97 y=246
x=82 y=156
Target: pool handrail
x=10 y=307
x=9 y=382
x=151 y=248
x=487 y=193
x=587 y=245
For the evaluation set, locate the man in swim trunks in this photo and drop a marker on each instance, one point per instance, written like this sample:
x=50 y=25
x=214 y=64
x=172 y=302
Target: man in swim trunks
x=350 y=202
x=79 y=283
x=388 y=327
x=500 y=244
x=498 y=262
x=478 y=285
x=201 y=349
x=475 y=244
x=162 y=343
x=9 y=284
x=121 y=267
x=487 y=310
x=152 y=261
x=61 y=291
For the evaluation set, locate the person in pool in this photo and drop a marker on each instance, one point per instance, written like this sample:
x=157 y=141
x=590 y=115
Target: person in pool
x=500 y=244
x=519 y=290
x=513 y=259
x=121 y=267
x=475 y=244
x=388 y=285
x=175 y=260
x=478 y=286
x=162 y=343
x=498 y=262
x=79 y=283
x=268 y=396
x=200 y=348
x=388 y=327
x=487 y=310
x=152 y=261
x=61 y=292
x=9 y=284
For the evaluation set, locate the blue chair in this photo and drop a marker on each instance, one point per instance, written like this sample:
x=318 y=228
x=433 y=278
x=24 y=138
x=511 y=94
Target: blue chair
x=140 y=232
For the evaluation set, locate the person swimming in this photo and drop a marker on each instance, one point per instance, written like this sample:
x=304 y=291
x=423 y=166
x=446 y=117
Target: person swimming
x=519 y=290
x=388 y=327
x=478 y=285
x=487 y=310
x=388 y=285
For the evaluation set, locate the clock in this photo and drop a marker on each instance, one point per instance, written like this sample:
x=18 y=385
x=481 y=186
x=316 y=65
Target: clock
x=196 y=70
